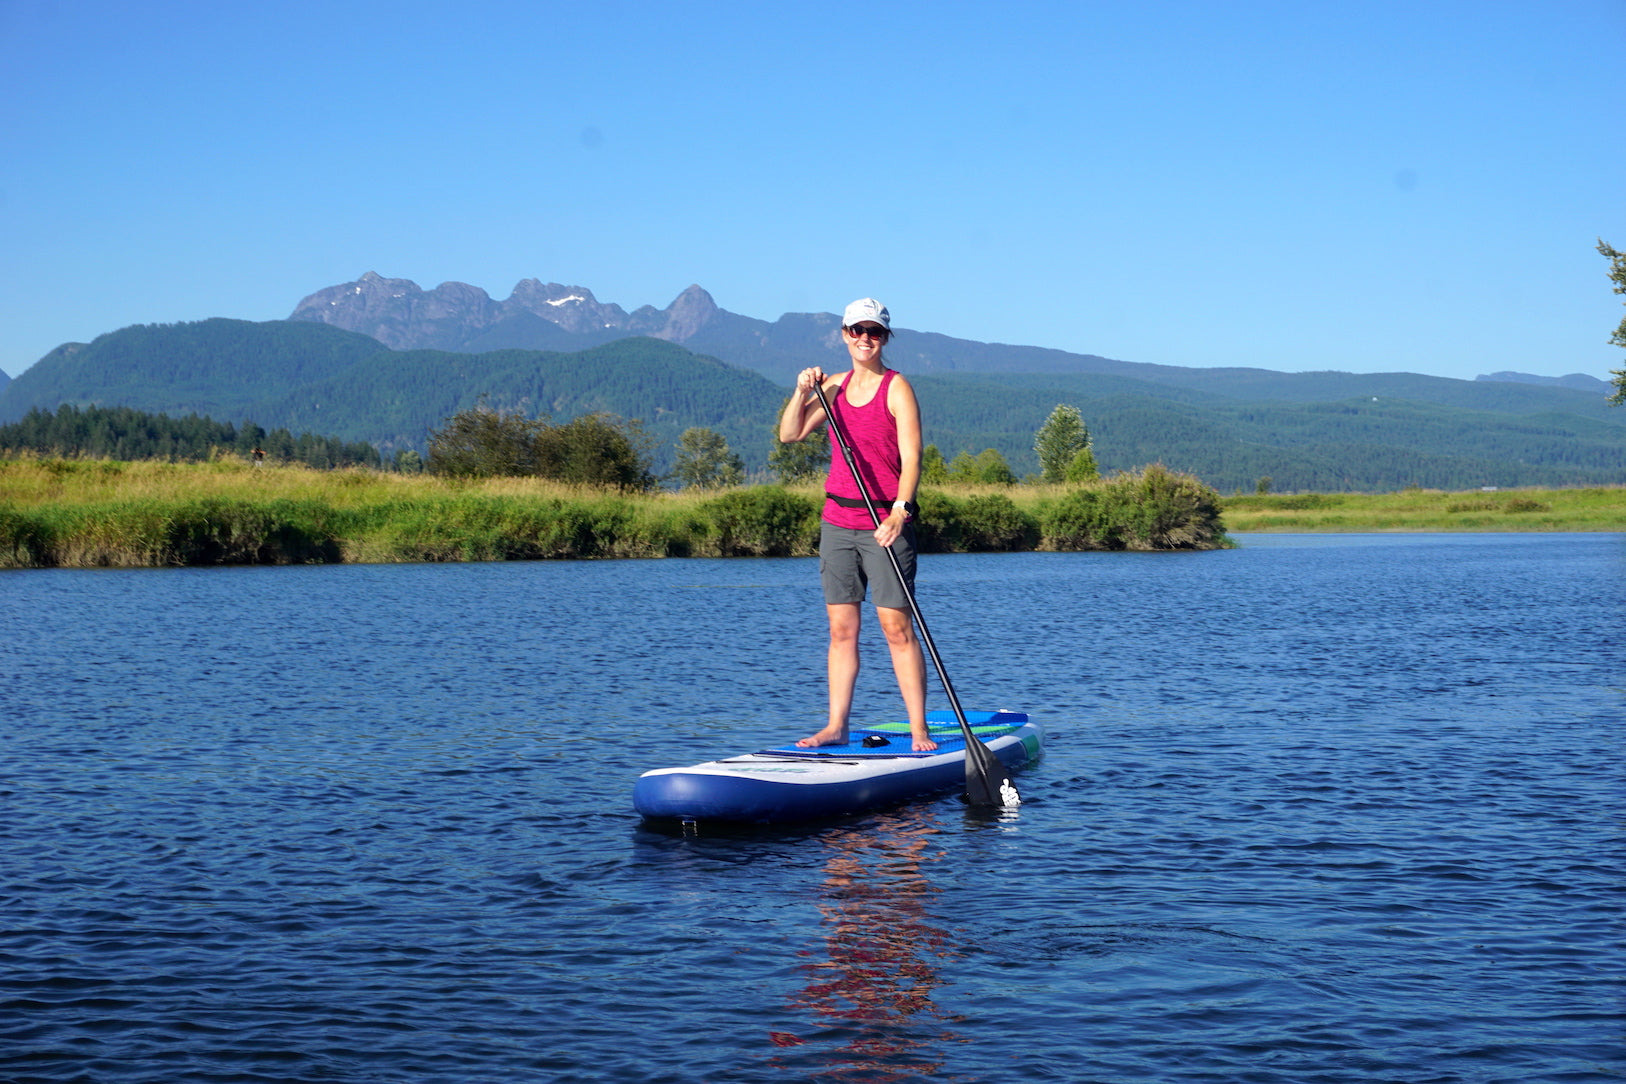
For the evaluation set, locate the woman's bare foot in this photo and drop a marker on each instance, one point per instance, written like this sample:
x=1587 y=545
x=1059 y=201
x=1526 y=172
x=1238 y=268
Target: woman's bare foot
x=922 y=741
x=830 y=735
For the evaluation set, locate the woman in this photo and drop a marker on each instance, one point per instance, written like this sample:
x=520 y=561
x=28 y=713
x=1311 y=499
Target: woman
x=881 y=419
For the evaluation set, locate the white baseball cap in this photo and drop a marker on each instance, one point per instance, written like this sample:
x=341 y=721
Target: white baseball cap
x=866 y=308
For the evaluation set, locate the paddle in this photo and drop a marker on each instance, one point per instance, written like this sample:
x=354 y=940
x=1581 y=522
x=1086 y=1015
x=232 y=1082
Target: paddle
x=986 y=780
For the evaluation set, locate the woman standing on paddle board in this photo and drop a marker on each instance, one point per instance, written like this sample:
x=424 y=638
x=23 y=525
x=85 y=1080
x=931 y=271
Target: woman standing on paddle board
x=876 y=408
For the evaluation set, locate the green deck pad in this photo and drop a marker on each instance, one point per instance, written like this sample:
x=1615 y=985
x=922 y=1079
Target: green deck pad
x=935 y=727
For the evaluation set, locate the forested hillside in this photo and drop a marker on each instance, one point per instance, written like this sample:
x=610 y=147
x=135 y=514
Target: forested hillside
x=1362 y=443
x=125 y=433
x=1302 y=431
x=394 y=399
x=212 y=367
x=1263 y=385
x=308 y=376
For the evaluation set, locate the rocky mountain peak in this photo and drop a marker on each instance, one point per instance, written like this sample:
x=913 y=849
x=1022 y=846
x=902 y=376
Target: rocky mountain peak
x=385 y=309
x=573 y=308
x=692 y=310
x=402 y=316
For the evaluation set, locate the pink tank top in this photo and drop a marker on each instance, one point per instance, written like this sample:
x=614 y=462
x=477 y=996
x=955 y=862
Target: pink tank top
x=873 y=433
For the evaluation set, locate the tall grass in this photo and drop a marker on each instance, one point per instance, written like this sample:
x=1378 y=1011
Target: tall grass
x=1598 y=508
x=96 y=513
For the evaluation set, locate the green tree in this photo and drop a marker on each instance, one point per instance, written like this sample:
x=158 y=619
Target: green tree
x=986 y=468
x=704 y=461
x=486 y=443
x=249 y=437
x=1082 y=469
x=1617 y=275
x=933 y=470
x=124 y=433
x=594 y=449
x=597 y=450
x=992 y=469
x=802 y=461
x=279 y=445
x=1059 y=441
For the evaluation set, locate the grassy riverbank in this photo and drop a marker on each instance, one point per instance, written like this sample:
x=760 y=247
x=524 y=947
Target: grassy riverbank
x=100 y=513
x=1594 y=509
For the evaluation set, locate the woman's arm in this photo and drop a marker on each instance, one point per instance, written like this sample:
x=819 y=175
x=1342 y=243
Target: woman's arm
x=802 y=414
x=906 y=410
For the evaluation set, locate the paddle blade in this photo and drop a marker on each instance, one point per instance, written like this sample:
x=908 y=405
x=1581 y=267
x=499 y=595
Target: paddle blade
x=987 y=781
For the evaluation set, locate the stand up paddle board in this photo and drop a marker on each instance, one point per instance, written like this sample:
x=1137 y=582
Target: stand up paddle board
x=876 y=767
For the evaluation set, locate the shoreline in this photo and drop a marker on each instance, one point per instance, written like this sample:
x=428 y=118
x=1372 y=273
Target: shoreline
x=74 y=513
x=70 y=513
x=1587 y=509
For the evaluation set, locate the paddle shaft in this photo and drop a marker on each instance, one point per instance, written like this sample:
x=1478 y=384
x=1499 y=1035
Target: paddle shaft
x=986 y=781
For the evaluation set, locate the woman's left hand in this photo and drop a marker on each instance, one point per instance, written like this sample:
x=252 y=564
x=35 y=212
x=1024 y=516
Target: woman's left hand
x=891 y=527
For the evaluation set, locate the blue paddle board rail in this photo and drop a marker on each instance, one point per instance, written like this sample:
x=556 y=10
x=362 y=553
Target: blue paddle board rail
x=788 y=783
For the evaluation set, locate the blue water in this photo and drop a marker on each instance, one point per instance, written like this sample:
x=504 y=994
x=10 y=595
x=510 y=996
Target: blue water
x=1321 y=808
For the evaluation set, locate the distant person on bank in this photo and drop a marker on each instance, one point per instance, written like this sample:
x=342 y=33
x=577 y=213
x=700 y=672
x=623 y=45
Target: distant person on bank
x=876 y=409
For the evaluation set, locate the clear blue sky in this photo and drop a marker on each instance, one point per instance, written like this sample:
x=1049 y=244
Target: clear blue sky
x=1364 y=186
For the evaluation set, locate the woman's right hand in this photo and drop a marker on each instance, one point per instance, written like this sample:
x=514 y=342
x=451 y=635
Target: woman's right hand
x=808 y=379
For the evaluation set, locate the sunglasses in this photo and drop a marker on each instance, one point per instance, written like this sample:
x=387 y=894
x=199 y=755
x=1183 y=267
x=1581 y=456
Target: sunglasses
x=872 y=330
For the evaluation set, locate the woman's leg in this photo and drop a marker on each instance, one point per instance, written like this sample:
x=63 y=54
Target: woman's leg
x=841 y=673
x=909 y=664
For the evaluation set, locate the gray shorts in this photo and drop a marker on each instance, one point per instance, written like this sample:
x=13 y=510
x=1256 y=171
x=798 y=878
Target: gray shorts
x=848 y=560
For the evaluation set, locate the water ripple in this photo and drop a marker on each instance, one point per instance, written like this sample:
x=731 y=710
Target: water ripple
x=1312 y=811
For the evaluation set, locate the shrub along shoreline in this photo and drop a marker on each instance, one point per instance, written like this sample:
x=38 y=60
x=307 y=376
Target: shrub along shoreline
x=78 y=513
x=85 y=513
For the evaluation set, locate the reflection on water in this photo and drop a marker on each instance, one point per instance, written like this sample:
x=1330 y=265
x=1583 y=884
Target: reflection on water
x=872 y=988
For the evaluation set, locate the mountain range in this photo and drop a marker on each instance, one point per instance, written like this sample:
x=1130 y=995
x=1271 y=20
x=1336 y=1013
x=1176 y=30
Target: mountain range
x=458 y=317
x=385 y=361
x=536 y=316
